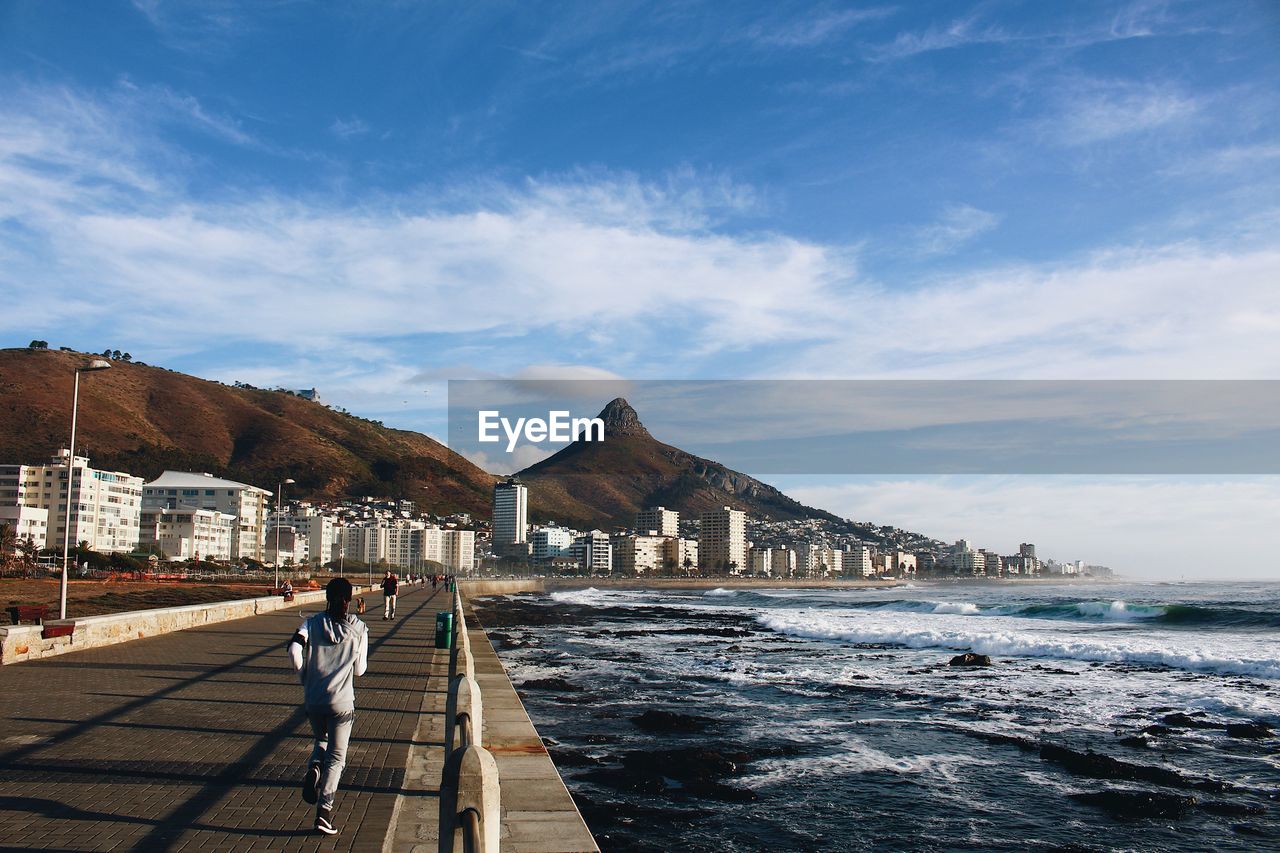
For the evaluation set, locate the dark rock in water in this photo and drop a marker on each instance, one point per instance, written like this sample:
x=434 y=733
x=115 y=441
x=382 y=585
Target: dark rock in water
x=1136 y=741
x=1189 y=721
x=570 y=758
x=970 y=659
x=1098 y=766
x=1157 y=730
x=549 y=684
x=1138 y=804
x=1255 y=729
x=1233 y=809
x=696 y=764
x=666 y=722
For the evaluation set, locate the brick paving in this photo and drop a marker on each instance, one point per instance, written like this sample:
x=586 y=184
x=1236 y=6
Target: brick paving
x=196 y=740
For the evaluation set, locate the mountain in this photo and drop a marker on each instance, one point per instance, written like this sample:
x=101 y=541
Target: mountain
x=592 y=482
x=143 y=419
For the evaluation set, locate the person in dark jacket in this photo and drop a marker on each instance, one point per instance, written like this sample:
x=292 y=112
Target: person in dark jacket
x=328 y=651
x=390 y=586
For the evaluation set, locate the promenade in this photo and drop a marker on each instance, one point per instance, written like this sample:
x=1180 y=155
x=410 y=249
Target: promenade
x=195 y=740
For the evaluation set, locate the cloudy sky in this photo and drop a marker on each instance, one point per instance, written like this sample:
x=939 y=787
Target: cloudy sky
x=374 y=197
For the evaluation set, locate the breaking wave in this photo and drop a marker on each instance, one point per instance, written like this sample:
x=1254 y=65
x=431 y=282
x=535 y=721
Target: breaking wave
x=1110 y=647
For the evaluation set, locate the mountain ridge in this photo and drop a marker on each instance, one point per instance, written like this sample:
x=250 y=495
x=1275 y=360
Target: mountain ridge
x=631 y=470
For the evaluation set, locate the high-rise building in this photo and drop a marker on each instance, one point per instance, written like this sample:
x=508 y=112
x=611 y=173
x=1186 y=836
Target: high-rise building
x=659 y=519
x=105 y=505
x=722 y=541
x=1026 y=549
x=248 y=504
x=510 y=514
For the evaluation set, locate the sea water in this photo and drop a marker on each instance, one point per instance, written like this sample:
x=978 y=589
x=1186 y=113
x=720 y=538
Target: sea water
x=1114 y=716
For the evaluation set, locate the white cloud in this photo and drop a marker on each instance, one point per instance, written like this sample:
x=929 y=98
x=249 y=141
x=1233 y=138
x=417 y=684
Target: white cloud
x=346 y=129
x=958 y=224
x=1097 y=112
x=959 y=33
x=1177 y=312
x=811 y=30
x=1141 y=527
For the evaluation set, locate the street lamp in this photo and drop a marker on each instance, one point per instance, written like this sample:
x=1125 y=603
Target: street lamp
x=279 y=508
x=96 y=364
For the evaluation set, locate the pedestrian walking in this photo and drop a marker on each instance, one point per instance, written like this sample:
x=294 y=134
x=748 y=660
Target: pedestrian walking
x=328 y=651
x=390 y=586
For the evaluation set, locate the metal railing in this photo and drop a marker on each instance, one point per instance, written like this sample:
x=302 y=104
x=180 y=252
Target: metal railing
x=470 y=808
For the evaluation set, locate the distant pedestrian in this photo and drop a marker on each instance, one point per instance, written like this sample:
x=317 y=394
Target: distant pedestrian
x=327 y=652
x=390 y=586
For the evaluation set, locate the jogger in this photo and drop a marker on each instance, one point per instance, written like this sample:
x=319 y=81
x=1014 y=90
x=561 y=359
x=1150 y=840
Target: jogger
x=328 y=651
x=390 y=586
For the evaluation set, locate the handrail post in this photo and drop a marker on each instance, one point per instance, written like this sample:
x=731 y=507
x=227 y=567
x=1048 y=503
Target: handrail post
x=470 y=802
x=464 y=698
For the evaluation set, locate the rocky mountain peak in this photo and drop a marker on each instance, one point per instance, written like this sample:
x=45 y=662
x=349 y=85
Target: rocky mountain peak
x=620 y=419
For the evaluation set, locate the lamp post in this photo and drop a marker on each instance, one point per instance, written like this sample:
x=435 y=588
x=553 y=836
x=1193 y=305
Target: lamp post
x=279 y=508
x=96 y=364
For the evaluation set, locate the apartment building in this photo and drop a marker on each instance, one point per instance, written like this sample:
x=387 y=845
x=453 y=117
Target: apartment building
x=510 y=515
x=248 y=504
x=722 y=541
x=635 y=555
x=105 y=505
x=188 y=533
x=660 y=520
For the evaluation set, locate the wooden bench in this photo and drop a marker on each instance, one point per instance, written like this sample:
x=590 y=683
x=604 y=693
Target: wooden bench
x=51 y=631
x=28 y=613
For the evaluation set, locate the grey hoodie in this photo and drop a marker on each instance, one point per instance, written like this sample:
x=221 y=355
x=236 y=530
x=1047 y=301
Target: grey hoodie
x=327 y=654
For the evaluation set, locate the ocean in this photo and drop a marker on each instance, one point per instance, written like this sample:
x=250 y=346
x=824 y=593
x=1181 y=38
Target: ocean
x=1113 y=716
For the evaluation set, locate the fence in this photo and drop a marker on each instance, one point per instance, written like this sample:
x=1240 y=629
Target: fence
x=470 y=807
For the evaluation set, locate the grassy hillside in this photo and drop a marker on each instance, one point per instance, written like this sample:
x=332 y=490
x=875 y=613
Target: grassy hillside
x=143 y=419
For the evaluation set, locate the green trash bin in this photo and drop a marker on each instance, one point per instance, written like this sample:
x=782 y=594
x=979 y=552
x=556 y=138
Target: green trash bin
x=444 y=630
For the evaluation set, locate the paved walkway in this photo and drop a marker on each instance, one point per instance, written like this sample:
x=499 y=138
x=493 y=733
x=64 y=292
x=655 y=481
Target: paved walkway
x=195 y=740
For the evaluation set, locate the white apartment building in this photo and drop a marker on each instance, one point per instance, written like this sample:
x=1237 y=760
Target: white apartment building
x=248 y=504
x=659 y=519
x=818 y=561
x=409 y=545
x=28 y=522
x=548 y=542
x=510 y=514
x=722 y=541
x=858 y=563
x=594 y=552
x=640 y=555
x=105 y=505
x=317 y=532
x=187 y=533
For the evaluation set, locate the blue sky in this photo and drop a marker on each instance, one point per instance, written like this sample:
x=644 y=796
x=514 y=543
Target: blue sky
x=374 y=197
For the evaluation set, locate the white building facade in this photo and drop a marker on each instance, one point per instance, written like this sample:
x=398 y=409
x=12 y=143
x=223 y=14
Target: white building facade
x=248 y=504
x=106 y=506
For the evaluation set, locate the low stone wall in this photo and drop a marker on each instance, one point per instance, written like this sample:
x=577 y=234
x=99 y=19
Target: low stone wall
x=24 y=642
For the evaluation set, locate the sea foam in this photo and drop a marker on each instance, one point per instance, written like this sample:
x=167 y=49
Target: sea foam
x=1011 y=639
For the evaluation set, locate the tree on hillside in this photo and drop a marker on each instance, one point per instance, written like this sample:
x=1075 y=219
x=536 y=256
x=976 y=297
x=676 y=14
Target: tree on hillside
x=38 y=345
x=126 y=357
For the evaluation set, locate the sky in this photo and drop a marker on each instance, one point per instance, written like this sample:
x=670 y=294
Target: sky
x=372 y=198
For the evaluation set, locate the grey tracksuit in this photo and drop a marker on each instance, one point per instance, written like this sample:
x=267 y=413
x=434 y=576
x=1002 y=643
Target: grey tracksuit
x=327 y=654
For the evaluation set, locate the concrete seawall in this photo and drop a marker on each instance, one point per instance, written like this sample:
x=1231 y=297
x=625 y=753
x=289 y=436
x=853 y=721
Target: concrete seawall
x=25 y=642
